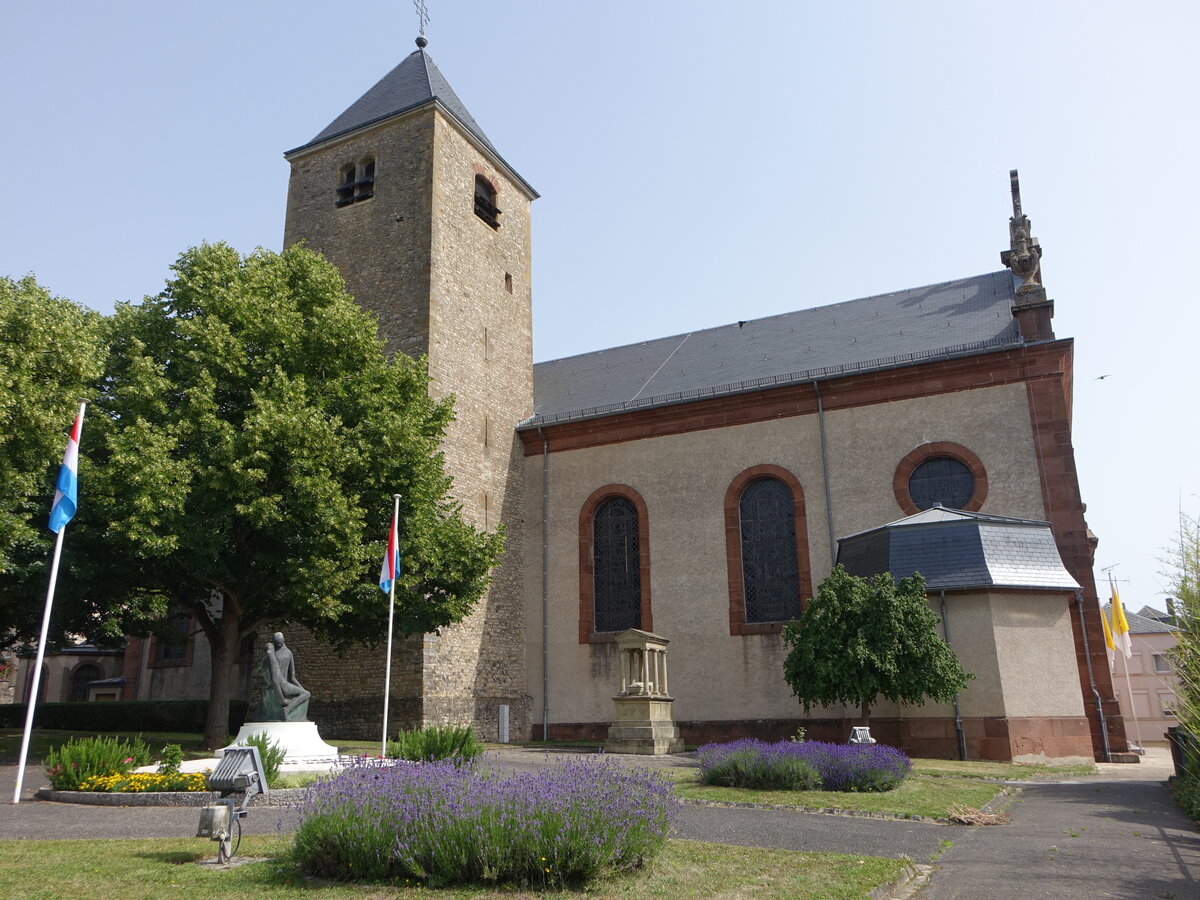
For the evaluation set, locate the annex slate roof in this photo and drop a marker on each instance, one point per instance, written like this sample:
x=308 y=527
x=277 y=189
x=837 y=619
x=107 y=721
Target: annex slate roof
x=955 y=318
x=955 y=550
x=415 y=82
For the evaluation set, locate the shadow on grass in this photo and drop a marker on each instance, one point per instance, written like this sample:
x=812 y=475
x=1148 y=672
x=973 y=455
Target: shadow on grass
x=171 y=857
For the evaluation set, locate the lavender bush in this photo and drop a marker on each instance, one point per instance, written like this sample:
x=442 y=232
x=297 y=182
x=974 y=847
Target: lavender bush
x=839 y=767
x=765 y=767
x=442 y=824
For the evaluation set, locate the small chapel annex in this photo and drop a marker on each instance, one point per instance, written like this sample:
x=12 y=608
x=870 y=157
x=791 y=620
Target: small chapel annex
x=695 y=485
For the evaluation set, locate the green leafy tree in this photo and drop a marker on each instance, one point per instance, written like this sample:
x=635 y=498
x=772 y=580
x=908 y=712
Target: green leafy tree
x=51 y=350
x=244 y=448
x=1183 y=571
x=863 y=638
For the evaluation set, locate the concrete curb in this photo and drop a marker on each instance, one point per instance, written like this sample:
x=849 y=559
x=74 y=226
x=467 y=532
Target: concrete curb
x=281 y=797
x=914 y=878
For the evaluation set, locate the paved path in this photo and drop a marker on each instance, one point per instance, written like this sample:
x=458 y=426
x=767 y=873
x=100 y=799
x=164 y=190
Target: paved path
x=1114 y=835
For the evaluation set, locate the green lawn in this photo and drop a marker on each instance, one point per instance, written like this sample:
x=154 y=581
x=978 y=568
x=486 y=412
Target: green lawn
x=934 y=786
x=166 y=869
x=919 y=795
x=1001 y=771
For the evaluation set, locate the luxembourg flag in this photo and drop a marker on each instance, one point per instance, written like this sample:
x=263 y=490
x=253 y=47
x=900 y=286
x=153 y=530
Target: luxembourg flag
x=391 y=559
x=66 y=491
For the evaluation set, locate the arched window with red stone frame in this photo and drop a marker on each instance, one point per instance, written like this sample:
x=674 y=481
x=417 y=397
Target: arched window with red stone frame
x=614 y=564
x=766 y=549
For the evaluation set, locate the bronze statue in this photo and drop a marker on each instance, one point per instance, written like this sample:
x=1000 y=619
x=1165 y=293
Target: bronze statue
x=284 y=698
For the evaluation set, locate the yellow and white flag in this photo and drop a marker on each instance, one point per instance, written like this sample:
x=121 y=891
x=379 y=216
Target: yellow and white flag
x=1120 y=627
x=1108 y=639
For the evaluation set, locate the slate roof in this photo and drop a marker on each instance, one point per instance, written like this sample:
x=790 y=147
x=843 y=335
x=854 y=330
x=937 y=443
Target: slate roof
x=415 y=82
x=939 y=321
x=955 y=550
x=1139 y=624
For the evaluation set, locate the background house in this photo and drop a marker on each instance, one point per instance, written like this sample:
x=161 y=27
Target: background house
x=1148 y=693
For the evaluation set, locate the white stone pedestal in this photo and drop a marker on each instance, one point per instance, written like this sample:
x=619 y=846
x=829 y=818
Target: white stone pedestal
x=299 y=740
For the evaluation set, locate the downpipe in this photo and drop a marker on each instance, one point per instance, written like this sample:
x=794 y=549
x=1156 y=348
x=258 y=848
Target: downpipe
x=958 y=725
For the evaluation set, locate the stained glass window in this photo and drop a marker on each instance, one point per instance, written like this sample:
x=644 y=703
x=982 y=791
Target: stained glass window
x=616 y=562
x=941 y=480
x=770 y=575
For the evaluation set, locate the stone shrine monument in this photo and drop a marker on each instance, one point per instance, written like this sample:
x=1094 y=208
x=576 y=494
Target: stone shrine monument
x=642 y=720
x=282 y=713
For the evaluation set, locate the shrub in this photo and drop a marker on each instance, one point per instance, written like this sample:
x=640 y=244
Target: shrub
x=1186 y=788
x=172 y=759
x=141 y=782
x=69 y=764
x=441 y=823
x=750 y=767
x=270 y=752
x=840 y=767
x=857 y=767
x=122 y=715
x=455 y=742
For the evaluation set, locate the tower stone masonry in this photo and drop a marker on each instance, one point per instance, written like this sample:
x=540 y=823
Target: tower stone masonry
x=430 y=229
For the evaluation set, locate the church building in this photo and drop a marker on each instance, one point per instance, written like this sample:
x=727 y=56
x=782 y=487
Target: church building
x=697 y=486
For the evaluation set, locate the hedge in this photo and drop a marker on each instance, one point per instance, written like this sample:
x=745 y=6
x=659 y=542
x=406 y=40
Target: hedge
x=122 y=715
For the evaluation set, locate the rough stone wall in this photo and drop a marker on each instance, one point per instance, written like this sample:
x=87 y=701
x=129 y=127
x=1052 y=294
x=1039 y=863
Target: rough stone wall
x=380 y=245
x=446 y=284
x=347 y=686
x=481 y=350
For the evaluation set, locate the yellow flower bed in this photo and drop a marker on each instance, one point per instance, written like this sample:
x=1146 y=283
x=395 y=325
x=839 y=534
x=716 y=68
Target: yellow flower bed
x=142 y=782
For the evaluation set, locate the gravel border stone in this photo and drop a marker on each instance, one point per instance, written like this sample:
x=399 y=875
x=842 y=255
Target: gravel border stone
x=280 y=797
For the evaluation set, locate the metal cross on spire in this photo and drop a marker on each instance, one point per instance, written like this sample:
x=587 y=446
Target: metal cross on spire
x=422 y=15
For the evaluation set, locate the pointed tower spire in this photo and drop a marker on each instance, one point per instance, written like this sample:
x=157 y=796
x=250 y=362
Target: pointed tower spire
x=415 y=83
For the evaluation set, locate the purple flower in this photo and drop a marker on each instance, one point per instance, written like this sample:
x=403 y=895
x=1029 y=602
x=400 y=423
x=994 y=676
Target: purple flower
x=440 y=822
x=841 y=767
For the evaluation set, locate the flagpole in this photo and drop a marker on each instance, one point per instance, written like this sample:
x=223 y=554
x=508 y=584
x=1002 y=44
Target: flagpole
x=387 y=677
x=31 y=698
x=1137 y=726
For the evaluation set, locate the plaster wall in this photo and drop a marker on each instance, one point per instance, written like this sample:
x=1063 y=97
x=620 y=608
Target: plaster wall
x=971 y=617
x=683 y=479
x=1036 y=650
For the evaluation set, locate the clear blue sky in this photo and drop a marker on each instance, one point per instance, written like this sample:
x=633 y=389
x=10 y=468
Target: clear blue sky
x=699 y=163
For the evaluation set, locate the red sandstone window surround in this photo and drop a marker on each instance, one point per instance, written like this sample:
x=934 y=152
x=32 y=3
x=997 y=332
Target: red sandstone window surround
x=939 y=450
x=736 y=535
x=625 y=549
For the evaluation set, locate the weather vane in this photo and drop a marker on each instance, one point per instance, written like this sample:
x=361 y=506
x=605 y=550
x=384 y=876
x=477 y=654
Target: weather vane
x=422 y=15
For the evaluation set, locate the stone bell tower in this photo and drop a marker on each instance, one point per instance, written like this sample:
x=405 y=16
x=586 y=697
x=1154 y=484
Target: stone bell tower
x=430 y=228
